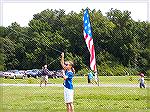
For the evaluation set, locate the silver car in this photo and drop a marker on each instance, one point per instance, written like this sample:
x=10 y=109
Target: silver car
x=13 y=74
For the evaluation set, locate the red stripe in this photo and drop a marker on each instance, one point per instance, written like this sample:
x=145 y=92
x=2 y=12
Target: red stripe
x=85 y=37
x=92 y=54
x=92 y=58
x=89 y=42
x=95 y=67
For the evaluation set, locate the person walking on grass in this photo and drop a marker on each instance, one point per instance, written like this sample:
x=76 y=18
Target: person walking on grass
x=44 y=76
x=141 y=80
x=68 y=73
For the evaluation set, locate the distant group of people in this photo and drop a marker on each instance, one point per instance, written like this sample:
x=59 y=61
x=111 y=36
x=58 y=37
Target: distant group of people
x=91 y=79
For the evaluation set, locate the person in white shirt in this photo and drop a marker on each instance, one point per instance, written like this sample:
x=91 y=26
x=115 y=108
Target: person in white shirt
x=141 y=80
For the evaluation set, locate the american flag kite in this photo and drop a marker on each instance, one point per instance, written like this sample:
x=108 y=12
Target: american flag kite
x=88 y=39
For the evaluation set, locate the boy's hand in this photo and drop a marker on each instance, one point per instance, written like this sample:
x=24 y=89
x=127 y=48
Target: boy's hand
x=62 y=54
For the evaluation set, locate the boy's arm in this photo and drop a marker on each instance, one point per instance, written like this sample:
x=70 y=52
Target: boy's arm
x=63 y=65
x=62 y=60
x=63 y=74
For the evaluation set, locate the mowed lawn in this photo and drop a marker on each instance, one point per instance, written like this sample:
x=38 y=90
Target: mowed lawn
x=78 y=80
x=86 y=99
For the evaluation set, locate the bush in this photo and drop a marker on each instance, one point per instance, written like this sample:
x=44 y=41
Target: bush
x=119 y=70
x=1 y=67
x=148 y=72
x=82 y=72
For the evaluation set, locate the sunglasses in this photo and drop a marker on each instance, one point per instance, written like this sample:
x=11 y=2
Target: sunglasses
x=66 y=64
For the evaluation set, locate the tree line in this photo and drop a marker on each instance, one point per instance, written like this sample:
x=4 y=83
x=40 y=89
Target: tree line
x=122 y=45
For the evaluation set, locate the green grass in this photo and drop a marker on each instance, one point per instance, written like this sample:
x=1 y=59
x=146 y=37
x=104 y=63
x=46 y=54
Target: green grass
x=87 y=99
x=78 y=80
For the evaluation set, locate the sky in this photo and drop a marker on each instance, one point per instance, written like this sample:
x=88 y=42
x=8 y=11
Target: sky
x=22 y=11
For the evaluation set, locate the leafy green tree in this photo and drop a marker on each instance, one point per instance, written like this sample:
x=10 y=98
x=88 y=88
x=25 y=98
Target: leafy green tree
x=123 y=41
x=120 y=42
x=9 y=53
x=46 y=34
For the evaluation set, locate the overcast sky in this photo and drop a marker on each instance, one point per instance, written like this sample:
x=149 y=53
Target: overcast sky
x=22 y=11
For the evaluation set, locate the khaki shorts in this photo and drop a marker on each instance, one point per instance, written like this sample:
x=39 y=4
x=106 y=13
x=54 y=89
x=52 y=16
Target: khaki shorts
x=44 y=78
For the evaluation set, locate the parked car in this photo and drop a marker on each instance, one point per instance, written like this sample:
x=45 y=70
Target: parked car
x=51 y=74
x=13 y=74
x=22 y=72
x=35 y=73
x=1 y=74
x=9 y=74
x=19 y=75
x=40 y=73
x=27 y=72
x=55 y=74
x=59 y=74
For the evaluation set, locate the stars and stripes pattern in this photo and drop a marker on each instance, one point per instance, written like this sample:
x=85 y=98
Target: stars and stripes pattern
x=88 y=39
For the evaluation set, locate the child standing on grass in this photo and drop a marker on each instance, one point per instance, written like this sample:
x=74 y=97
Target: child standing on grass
x=90 y=77
x=68 y=85
x=142 y=80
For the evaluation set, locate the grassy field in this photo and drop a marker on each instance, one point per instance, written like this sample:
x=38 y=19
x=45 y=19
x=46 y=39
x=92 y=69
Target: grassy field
x=78 y=80
x=86 y=99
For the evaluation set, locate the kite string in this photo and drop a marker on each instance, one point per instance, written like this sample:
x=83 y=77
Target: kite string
x=53 y=61
x=43 y=35
x=52 y=47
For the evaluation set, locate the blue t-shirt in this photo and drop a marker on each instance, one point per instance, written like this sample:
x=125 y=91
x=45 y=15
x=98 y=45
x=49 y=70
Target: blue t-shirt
x=68 y=82
x=90 y=75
